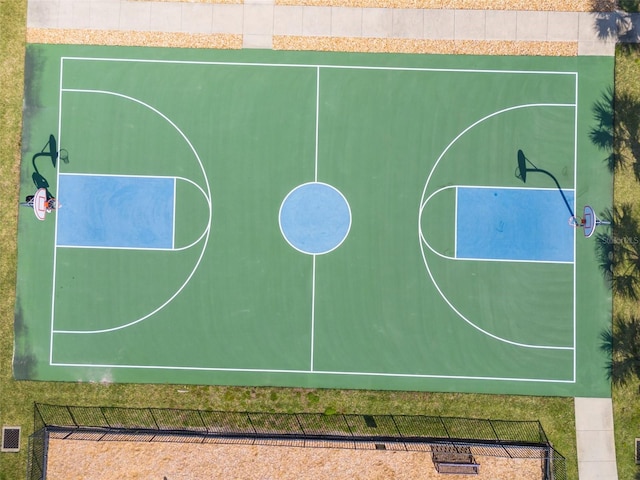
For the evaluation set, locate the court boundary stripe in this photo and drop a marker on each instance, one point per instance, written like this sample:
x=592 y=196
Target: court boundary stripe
x=318 y=70
x=575 y=199
x=318 y=65
x=319 y=372
x=55 y=228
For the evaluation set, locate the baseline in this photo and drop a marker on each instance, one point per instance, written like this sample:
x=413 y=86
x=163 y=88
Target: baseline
x=320 y=66
x=319 y=372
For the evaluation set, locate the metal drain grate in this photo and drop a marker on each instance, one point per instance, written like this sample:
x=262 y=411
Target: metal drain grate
x=10 y=439
x=637 y=451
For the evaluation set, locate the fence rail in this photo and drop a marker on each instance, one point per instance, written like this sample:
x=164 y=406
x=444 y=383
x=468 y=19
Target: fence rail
x=501 y=438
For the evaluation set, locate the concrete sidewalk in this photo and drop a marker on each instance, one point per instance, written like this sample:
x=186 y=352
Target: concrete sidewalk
x=258 y=21
x=595 y=440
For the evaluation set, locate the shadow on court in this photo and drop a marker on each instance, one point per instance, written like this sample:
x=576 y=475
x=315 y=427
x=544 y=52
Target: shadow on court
x=50 y=151
x=24 y=360
x=526 y=166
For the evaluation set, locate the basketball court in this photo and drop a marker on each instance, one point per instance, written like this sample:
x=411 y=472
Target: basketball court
x=377 y=221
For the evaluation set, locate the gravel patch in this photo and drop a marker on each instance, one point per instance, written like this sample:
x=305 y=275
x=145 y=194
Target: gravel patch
x=133 y=39
x=396 y=45
x=78 y=459
x=537 y=5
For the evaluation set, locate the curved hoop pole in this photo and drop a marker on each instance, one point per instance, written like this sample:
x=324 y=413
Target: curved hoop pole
x=575 y=222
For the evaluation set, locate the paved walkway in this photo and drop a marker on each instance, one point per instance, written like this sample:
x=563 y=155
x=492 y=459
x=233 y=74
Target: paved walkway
x=595 y=440
x=258 y=21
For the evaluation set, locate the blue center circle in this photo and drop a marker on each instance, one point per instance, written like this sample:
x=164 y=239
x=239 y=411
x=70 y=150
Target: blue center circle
x=315 y=218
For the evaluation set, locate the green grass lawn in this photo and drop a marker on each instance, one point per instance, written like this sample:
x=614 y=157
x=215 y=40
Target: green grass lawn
x=16 y=398
x=626 y=399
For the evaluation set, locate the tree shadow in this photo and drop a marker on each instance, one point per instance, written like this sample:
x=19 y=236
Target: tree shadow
x=614 y=20
x=627 y=130
x=24 y=361
x=617 y=130
x=621 y=343
x=603 y=135
x=618 y=251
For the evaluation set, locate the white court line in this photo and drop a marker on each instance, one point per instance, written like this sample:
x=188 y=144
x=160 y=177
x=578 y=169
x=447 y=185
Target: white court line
x=455 y=225
x=123 y=175
x=316 y=372
x=55 y=229
x=313 y=310
x=318 y=65
x=315 y=175
x=575 y=183
x=421 y=239
x=205 y=236
x=478 y=259
x=162 y=177
x=173 y=225
x=315 y=179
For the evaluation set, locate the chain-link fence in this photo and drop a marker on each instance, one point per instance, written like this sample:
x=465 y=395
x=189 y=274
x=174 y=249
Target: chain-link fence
x=500 y=438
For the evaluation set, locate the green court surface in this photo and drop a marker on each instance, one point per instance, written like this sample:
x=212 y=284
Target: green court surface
x=313 y=220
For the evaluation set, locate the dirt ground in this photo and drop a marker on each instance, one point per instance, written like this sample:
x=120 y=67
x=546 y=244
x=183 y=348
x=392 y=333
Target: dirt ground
x=109 y=460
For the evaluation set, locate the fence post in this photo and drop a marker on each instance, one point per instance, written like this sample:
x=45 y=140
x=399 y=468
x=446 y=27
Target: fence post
x=400 y=435
x=446 y=430
x=202 y=420
x=393 y=419
x=73 y=419
x=300 y=424
x=255 y=430
x=541 y=435
x=105 y=417
x=344 y=417
x=548 y=469
x=153 y=417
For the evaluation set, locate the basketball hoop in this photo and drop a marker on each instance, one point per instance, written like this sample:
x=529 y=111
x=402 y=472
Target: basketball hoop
x=575 y=222
x=41 y=202
x=588 y=222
